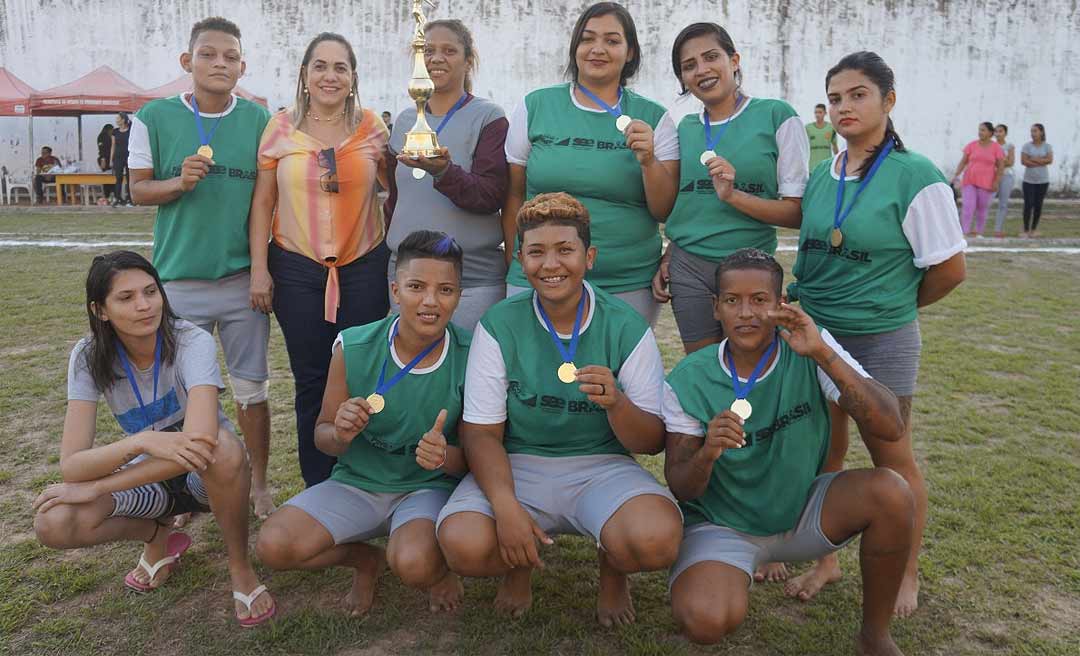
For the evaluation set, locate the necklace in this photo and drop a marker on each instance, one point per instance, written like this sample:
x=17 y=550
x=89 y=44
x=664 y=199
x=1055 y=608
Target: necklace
x=329 y=118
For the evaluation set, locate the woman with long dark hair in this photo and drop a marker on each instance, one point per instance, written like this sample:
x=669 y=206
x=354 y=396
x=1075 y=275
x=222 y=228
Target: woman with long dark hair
x=119 y=150
x=742 y=172
x=461 y=191
x=614 y=150
x=317 y=236
x=868 y=260
x=160 y=378
x=104 y=157
x=1036 y=155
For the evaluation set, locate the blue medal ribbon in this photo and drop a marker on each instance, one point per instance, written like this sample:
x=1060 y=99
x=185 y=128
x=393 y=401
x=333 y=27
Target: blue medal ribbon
x=615 y=111
x=204 y=139
x=838 y=216
x=453 y=110
x=569 y=352
x=743 y=391
x=710 y=142
x=381 y=387
x=129 y=373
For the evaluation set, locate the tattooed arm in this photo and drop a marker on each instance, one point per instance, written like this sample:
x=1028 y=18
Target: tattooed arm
x=688 y=460
x=872 y=405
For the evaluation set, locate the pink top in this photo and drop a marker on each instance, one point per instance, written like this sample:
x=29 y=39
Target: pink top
x=982 y=164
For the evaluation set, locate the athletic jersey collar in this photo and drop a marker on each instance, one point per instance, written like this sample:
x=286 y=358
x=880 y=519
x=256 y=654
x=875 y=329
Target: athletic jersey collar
x=418 y=371
x=723 y=365
x=228 y=109
x=584 y=324
x=742 y=108
x=583 y=108
x=836 y=158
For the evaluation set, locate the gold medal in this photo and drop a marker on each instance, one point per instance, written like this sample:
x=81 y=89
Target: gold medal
x=377 y=403
x=706 y=156
x=623 y=122
x=836 y=238
x=206 y=151
x=567 y=371
x=742 y=408
x=419 y=174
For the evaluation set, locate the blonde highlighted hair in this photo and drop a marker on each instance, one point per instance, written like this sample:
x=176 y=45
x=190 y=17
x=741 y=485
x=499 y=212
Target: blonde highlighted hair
x=559 y=208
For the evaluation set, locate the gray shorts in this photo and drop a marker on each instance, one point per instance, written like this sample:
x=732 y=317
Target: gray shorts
x=710 y=542
x=640 y=299
x=226 y=304
x=693 y=292
x=354 y=515
x=891 y=358
x=475 y=301
x=575 y=495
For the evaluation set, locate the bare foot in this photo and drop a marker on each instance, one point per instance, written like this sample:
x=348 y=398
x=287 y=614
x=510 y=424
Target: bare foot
x=805 y=586
x=907 y=601
x=515 y=592
x=771 y=572
x=446 y=595
x=881 y=646
x=153 y=552
x=362 y=595
x=614 y=607
x=263 y=501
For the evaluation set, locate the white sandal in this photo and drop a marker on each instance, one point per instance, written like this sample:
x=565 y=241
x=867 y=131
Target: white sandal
x=248 y=600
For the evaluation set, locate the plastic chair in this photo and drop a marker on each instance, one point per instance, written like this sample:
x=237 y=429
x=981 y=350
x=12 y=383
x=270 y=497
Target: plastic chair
x=13 y=186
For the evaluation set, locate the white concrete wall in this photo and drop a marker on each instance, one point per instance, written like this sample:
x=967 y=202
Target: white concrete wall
x=958 y=62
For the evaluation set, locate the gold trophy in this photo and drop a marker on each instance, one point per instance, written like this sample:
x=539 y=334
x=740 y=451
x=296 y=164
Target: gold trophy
x=420 y=140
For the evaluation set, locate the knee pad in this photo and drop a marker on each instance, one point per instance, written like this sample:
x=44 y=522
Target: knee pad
x=247 y=392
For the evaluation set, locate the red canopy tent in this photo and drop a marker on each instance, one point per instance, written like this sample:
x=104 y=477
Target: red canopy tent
x=15 y=101
x=184 y=84
x=14 y=94
x=101 y=91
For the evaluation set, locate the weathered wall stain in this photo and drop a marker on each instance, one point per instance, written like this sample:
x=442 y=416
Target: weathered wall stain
x=958 y=62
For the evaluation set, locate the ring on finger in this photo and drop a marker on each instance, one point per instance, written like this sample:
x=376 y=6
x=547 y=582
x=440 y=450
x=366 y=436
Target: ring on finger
x=603 y=389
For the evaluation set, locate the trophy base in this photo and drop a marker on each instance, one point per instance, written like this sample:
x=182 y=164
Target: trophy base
x=421 y=144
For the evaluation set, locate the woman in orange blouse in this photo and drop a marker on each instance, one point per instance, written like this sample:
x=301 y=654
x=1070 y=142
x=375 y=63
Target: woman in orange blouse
x=323 y=268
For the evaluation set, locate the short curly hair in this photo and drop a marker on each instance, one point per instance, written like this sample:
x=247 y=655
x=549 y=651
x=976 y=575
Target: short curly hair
x=559 y=208
x=752 y=258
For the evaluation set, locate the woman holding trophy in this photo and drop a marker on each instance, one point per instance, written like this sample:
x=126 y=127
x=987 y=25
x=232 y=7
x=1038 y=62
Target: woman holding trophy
x=460 y=189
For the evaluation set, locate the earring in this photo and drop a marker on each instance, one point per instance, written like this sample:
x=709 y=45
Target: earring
x=306 y=92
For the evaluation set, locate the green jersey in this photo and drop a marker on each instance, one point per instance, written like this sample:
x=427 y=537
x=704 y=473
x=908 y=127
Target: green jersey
x=904 y=222
x=565 y=147
x=822 y=141
x=382 y=458
x=766 y=144
x=761 y=488
x=203 y=234
x=512 y=375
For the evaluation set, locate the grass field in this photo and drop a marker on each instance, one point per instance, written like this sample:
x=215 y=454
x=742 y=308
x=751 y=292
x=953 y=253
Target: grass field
x=996 y=422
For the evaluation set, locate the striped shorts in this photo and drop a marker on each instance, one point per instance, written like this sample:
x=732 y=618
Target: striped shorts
x=181 y=494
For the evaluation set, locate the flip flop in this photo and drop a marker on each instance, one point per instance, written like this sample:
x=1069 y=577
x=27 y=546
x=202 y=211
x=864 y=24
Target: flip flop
x=175 y=546
x=247 y=600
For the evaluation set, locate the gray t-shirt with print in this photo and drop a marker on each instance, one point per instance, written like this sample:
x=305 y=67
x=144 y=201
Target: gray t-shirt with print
x=195 y=364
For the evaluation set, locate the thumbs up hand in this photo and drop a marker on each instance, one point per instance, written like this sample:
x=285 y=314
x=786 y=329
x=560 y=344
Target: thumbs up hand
x=431 y=451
